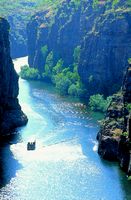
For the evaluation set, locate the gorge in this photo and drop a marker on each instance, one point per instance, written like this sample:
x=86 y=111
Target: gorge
x=74 y=49
x=81 y=45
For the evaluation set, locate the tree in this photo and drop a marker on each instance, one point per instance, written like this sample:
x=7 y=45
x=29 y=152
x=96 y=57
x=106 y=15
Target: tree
x=29 y=73
x=44 y=51
x=48 y=66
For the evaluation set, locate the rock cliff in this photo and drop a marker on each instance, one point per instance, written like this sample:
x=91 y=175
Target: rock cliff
x=58 y=30
x=11 y=115
x=17 y=14
x=102 y=31
x=114 y=136
x=105 y=48
x=18 y=37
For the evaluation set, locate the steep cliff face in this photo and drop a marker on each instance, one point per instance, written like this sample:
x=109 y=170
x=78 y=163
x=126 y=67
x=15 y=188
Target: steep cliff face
x=102 y=32
x=114 y=136
x=11 y=115
x=106 y=47
x=18 y=37
x=17 y=14
x=58 y=30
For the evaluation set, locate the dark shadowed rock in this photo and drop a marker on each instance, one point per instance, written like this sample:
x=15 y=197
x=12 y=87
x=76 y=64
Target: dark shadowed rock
x=11 y=115
x=114 y=135
x=127 y=86
x=108 y=147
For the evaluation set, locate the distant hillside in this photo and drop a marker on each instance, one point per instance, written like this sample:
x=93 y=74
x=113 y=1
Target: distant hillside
x=18 y=13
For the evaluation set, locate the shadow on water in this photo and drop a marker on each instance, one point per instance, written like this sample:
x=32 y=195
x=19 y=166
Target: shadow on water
x=8 y=164
x=122 y=178
x=125 y=184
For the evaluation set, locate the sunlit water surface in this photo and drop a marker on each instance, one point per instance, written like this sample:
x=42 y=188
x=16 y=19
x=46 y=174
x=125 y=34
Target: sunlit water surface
x=65 y=164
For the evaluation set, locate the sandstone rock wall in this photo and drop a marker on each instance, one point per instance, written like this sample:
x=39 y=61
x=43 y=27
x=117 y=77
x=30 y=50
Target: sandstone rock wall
x=103 y=34
x=11 y=115
x=114 y=136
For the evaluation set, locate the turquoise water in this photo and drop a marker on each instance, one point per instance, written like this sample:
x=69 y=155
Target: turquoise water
x=65 y=164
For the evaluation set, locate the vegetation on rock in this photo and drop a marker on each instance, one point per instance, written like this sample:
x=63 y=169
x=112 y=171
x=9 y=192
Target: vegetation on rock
x=78 y=33
x=99 y=103
x=113 y=137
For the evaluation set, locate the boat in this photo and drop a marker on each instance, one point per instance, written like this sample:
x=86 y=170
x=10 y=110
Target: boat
x=31 y=145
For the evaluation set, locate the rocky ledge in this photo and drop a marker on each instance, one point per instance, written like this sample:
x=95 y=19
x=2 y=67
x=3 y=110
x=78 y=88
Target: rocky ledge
x=114 y=136
x=11 y=115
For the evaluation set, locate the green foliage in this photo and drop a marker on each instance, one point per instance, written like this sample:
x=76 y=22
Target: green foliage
x=58 y=68
x=48 y=66
x=129 y=178
x=21 y=6
x=29 y=73
x=72 y=90
x=115 y=2
x=95 y=3
x=67 y=81
x=98 y=103
x=112 y=2
x=8 y=7
x=129 y=107
x=62 y=84
x=129 y=2
x=129 y=60
x=44 y=50
x=125 y=134
x=118 y=132
x=113 y=6
x=76 y=89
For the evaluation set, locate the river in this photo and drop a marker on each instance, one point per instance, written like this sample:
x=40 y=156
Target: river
x=65 y=164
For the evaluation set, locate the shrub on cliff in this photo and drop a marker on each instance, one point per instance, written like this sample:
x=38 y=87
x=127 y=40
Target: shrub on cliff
x=98 y=103
x=129 y=60
x=58 y=68
x=44 y=51
x=128 y=106
x=48 y=66
x=76 y=89
x=29 y=73
x=63 y=84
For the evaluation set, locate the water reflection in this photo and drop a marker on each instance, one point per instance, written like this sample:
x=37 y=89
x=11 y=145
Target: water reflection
x=8 y=164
